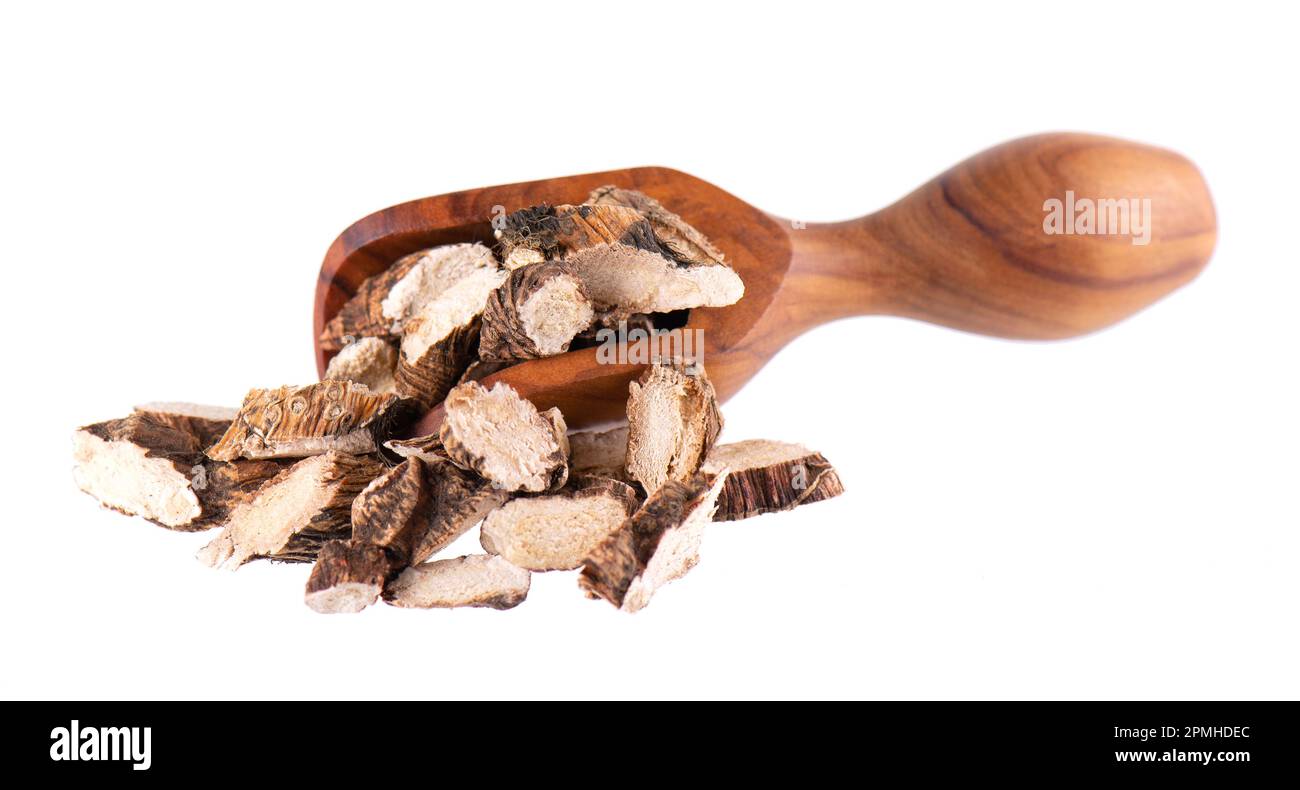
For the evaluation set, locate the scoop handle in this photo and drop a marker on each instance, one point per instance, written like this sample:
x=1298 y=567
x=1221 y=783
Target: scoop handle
x=1043 y=237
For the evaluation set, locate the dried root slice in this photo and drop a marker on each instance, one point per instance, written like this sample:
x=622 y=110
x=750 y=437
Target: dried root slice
x=370 y=361
x=292 y=422
x=768 y=476
x=474 y=580
x=685 y=243
x=363 y=314
x=599 y=453
x=535 y=313
x=544 y=232
x=462 y=500
x=502 y=437
x=442 y=337
x=347 y=577
x=613 y=250
x=151 y=464
x=556 y=532
x=426 y=448
x=673 y=421
x=395 y=510
x=658 y=544
x=294 y=513
x=435 y=272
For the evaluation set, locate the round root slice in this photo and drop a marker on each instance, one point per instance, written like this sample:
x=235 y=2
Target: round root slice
x=535 y=313
x=347 y=577
x=503 y=438
x=363 y=315
x=370 y=361
x=483 y=580
x=549 y=533
x=768 y=476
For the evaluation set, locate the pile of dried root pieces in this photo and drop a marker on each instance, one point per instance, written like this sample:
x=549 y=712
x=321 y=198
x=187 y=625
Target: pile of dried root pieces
x=313 y=473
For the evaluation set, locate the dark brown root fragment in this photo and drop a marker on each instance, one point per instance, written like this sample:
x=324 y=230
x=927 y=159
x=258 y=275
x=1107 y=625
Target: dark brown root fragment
x=658 y=544
x=363 y=314
x=462 y=499
x=430 y=376
x=395 y=510
x=768 y=477
x=347 y=577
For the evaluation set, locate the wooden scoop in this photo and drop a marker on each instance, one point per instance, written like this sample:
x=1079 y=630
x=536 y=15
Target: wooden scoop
x=969 y=250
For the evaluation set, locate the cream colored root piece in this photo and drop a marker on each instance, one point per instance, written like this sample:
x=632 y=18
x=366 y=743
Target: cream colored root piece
x=768 y=476
x=294 y=513
x=556 y=532
x=442 y=336
x=502 y=437
x=673 y=421
x=658 y=544
x=371 y=361
x=436 y=270
x=535 y=313
x=293 y=422
x=483 y=580
x=151 y=464
x=599 y=453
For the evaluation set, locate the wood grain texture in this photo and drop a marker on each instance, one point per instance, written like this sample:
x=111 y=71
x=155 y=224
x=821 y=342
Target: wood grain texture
x=967 y=250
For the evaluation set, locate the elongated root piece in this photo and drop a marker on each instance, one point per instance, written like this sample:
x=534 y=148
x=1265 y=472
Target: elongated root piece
x=673 y=421
x=475 y=580
x=659 y=543
x=768 y=476
x=151 y=464
x=613 y=250
x=535 y=313
x=395 y=510
x=370 y=361
x=441 y=338
x=463 y=500
x=686 y=244
x=295 y=512
x=503 y=438
x=347 y=577
x=292 y=422
x=556 y=532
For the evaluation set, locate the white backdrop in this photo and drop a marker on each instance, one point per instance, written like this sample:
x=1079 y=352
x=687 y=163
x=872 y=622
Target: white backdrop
x=1111 y=517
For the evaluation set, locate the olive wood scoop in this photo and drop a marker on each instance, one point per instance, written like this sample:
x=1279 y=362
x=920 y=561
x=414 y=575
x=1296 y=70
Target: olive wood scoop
x=969 y=250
